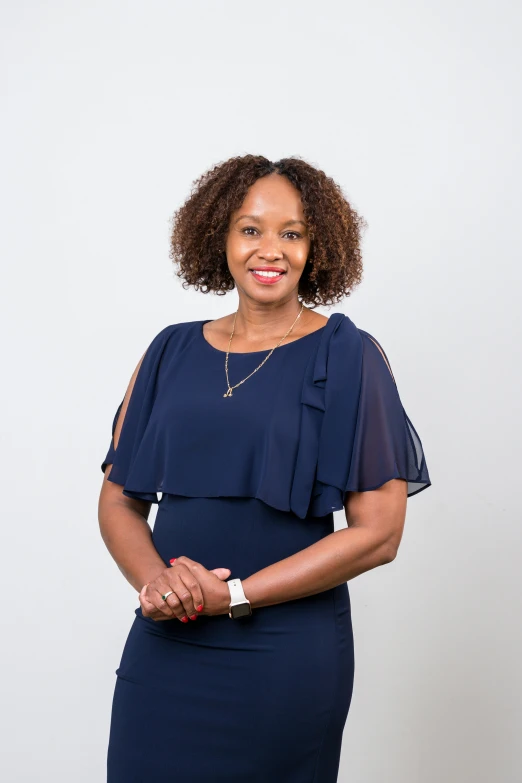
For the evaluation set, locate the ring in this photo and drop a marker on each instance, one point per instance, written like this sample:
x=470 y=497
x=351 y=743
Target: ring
x=167 y=595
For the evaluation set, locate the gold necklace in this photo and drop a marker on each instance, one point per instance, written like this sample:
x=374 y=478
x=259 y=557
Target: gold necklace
x=228 y=393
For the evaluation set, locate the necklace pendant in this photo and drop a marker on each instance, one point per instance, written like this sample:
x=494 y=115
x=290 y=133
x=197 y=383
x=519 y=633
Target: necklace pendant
x=228 y=393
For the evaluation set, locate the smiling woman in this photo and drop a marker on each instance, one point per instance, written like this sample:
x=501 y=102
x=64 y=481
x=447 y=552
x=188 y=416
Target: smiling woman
x=260 y=247
x=255 y=428
x=250 y=205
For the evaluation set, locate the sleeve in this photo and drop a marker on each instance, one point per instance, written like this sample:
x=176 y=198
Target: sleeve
x=109 y=457
x=386 y=444
x=130 y=457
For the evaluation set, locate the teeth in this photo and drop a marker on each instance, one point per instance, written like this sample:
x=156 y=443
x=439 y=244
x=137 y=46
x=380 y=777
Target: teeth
x=266 y=274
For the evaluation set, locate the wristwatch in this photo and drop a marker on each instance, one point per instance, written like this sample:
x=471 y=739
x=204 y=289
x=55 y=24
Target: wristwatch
x=239 y=604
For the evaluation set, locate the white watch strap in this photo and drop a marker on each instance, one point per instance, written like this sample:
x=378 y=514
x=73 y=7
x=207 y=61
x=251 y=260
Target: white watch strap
x=237 y=594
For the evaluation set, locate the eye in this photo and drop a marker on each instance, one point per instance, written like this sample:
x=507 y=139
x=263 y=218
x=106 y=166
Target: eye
x=293 y=234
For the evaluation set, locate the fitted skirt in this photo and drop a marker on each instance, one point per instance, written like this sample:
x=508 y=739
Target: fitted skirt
x=259 y=699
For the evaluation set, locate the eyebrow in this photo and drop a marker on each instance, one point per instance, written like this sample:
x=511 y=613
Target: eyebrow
x=256 y=217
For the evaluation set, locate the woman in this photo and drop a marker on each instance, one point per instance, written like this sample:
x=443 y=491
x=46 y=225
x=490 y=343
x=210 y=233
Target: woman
x=255 y=428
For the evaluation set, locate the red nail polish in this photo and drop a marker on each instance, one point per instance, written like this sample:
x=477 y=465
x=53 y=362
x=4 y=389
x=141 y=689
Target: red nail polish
x=173 y=559
x=193 y=617
x=184 y=619
x=199 y=608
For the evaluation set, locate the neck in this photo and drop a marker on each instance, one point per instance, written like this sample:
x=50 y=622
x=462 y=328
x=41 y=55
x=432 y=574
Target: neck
x=265 y=321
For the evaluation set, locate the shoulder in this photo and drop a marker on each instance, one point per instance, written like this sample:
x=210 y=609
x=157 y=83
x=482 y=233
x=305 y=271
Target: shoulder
x=170 y=339
x=177 y=330
x=373 y=354
x=371 y=343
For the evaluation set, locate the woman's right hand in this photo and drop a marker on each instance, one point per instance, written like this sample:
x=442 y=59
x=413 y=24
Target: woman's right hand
x=192 y=586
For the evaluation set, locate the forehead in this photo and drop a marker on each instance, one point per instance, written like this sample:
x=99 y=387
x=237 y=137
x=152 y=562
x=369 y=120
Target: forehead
x=272 y=195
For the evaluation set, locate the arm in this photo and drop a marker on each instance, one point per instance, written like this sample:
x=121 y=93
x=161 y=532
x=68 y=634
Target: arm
x=123 y=521
x=375 y=523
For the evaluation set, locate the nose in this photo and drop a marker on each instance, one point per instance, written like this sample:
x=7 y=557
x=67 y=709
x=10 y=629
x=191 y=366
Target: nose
x=270 y=248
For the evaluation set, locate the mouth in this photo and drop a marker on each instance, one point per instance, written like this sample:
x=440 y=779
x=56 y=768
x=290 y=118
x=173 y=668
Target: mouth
x=267 y=276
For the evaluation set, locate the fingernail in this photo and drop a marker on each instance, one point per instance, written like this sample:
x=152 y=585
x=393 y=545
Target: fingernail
x=193 y=617
x=173 y=559
x=184 y=619
x=199 y=608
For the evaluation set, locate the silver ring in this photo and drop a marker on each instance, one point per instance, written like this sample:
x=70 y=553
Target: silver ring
x=167 y=595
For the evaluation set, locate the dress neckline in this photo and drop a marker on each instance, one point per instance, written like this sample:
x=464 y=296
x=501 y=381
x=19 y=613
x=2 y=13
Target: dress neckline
x=253 y=353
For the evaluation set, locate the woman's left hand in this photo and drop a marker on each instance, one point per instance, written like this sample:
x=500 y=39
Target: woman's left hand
x=185 y=578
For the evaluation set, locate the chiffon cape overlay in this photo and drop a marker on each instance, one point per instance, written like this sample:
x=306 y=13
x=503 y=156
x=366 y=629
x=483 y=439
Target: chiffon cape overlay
x=348 y=433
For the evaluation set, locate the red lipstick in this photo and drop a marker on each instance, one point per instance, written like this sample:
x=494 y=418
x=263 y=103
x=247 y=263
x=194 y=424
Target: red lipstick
x=275 y=274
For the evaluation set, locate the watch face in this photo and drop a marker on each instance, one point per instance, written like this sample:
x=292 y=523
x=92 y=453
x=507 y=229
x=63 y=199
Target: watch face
x=240 y=610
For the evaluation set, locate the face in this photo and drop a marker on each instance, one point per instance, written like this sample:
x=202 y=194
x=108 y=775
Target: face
x=267 y=243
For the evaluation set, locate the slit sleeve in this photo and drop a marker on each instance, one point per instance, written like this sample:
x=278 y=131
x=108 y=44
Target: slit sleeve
x=109 y=457
x=386 y=444
x=130 y=457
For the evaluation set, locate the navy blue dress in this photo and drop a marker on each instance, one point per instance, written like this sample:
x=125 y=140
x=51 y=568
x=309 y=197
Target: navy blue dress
x=246 y=481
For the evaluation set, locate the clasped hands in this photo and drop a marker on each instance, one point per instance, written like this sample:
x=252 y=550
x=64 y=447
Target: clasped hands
x=195 y=591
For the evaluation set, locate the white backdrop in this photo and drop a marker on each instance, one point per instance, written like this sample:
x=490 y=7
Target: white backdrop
x=110 y=110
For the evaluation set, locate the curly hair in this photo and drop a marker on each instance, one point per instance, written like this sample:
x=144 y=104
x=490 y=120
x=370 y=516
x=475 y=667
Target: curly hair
x=200 y=228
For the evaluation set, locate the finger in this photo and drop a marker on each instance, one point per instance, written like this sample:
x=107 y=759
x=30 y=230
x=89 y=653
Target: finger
x=187 y=561
x=156 y=590
x=178 y=598
x=143 y=595
x=176 y=606
x=194 y=597
x=197 y=573
x=187 y=588
x=173 y=587
x=221 y=573
x=147 y=608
